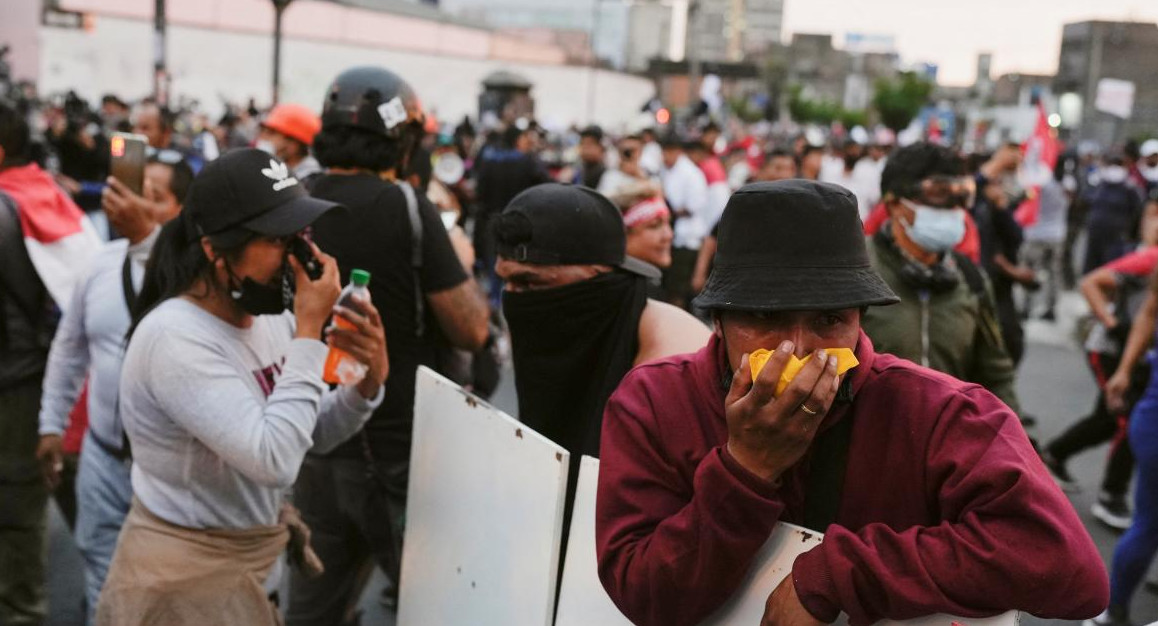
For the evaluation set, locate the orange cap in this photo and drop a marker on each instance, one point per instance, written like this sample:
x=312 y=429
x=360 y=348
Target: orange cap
x=294 y=121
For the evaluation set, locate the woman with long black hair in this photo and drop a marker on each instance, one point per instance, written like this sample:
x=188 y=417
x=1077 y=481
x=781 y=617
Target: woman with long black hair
x=222 y=396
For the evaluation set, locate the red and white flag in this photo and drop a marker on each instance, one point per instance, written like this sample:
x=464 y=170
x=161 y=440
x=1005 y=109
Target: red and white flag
x=1039 y=156
x=60 y=239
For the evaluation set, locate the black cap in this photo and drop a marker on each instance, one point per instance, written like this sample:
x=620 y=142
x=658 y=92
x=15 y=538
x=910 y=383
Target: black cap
x=792 y=245
x=557 y=224
x=248 y=190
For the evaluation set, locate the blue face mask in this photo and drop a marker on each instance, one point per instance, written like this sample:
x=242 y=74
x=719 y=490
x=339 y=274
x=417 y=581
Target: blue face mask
x=935 y=230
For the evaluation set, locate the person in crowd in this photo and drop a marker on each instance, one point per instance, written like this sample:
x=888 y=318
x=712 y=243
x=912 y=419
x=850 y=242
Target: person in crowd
x=860 y=175
x=629 y=173
x=502 y=173
x=90 y=343
x=650 y=154
x=114 y=114
x=83 y=151
x=354 y=497
x=1136 y=549
x=222 y=395
x=1001 y=239
x=32 y=293
x=1148 y=166
x=715 y=176
x=1043 y=252
x=778 y=165
x=648 y=221
x=591 y=158
x=811 y=160
x=700 y=458
x=686 y=190
x=156 y=123
x=1115 y=293
x=287 y=133
x=946 y=319
x=1115 y=210
x=578 y=313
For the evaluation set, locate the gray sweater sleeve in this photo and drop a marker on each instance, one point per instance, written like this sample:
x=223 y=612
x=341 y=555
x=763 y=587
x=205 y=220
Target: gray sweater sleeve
x=199 y=388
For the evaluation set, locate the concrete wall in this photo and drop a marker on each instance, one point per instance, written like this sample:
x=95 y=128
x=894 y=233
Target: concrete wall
x=19 y=21
x=217 y=55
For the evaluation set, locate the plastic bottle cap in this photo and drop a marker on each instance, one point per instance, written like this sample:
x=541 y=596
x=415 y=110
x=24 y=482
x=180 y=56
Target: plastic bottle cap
x=360 y=278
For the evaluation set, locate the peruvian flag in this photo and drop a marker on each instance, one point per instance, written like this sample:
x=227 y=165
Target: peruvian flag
x=60 y=239
x=1039 y=156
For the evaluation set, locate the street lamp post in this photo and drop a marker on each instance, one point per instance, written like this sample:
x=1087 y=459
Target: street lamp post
x=594 y=68
x=279 y=7
x=160 y=82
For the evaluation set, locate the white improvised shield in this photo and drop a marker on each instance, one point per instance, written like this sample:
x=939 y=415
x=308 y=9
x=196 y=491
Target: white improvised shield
x=484 y=517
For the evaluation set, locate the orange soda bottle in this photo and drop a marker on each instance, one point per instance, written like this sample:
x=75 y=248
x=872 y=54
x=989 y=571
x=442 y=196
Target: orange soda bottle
x=342 y=368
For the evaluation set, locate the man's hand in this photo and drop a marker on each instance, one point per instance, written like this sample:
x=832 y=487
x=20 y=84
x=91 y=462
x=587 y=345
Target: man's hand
x=51 y=459
x=1115 y=391
x=133 y=216
x=767 y=435
x=784 y=608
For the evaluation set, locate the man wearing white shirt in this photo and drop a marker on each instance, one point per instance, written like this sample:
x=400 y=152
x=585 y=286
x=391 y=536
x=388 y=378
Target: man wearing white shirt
x=859 y=175
x=686 y=191
x=90 y=343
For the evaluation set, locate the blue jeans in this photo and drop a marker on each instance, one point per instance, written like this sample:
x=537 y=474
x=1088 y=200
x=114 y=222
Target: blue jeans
x=104 y=494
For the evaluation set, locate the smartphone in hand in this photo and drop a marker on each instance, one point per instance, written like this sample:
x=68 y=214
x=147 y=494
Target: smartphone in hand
x=300 y=248
x=127 y=162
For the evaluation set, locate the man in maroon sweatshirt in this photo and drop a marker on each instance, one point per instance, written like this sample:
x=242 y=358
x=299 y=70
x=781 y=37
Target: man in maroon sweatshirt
x=929 y=494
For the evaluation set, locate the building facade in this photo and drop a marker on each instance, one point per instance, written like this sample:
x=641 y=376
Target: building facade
x=1095 y=50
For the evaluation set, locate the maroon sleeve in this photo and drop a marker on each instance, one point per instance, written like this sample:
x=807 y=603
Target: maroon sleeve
x=670 y=552
x=1009 y=539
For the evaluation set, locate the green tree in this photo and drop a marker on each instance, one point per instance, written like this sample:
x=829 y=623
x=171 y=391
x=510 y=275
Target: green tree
x=898 y=101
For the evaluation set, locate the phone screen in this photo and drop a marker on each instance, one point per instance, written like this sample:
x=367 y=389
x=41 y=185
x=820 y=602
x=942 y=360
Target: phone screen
x=127 y=162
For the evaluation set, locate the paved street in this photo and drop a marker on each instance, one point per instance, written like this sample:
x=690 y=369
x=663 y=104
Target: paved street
x=1055 y=386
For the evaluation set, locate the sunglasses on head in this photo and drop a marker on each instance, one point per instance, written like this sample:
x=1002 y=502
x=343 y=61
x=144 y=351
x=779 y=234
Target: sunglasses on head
x=168 y=156
x=945 y=192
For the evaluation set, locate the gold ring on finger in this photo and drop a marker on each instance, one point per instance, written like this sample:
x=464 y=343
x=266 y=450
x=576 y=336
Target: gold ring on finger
x=804 y=407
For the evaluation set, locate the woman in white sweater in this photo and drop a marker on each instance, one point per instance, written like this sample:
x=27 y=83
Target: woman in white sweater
x=222 y=396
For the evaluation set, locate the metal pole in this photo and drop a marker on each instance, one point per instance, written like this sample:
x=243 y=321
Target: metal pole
x=694 y=67
x=160 y=84
x=279 y=7
x=594 y=62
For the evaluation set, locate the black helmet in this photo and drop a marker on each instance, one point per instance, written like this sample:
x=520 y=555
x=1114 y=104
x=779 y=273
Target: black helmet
x=373 y=99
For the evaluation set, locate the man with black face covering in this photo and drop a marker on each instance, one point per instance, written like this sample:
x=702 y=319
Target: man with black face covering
x=578 y=312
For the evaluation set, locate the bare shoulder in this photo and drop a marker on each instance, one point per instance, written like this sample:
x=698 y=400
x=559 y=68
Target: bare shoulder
x=665 y=330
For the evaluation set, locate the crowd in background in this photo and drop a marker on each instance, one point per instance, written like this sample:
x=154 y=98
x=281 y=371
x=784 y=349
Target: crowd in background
x=1094 y=226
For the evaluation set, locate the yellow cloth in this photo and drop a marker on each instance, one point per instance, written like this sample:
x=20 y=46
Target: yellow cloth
x=846 y=360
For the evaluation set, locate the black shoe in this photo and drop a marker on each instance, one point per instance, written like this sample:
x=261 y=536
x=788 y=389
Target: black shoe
x=1061 y=475
x=1113 y=511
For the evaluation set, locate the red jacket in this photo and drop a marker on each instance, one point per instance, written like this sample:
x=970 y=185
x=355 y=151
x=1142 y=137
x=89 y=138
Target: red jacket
x=946 y=508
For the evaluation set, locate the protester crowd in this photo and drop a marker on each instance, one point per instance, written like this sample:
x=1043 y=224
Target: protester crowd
x=162 y=353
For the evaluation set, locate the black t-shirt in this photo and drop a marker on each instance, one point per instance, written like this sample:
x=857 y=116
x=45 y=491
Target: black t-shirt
x=374 y=234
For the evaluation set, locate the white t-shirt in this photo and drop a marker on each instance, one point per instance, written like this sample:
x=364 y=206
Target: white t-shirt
x=220 y=418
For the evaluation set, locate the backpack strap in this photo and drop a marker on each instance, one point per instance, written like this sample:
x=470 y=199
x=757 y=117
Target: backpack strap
x=990 y=324
x=416 y=237
x=15 y=258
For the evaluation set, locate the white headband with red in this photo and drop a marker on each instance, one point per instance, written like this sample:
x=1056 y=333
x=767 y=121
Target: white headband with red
x=645 y=211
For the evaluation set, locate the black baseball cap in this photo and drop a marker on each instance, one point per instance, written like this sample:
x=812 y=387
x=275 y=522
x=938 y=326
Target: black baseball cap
x=248 y=191
x=557 y=224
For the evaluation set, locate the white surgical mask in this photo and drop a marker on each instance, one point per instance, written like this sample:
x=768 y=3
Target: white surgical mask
x=935 y=230
x=266 y=146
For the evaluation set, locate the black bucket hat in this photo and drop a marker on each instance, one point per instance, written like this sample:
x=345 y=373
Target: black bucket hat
x=557 y=224
x=247 y=191
x=792 y=245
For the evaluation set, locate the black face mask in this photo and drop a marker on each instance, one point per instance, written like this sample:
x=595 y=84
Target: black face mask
x=258 y=299
x=571 y=346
